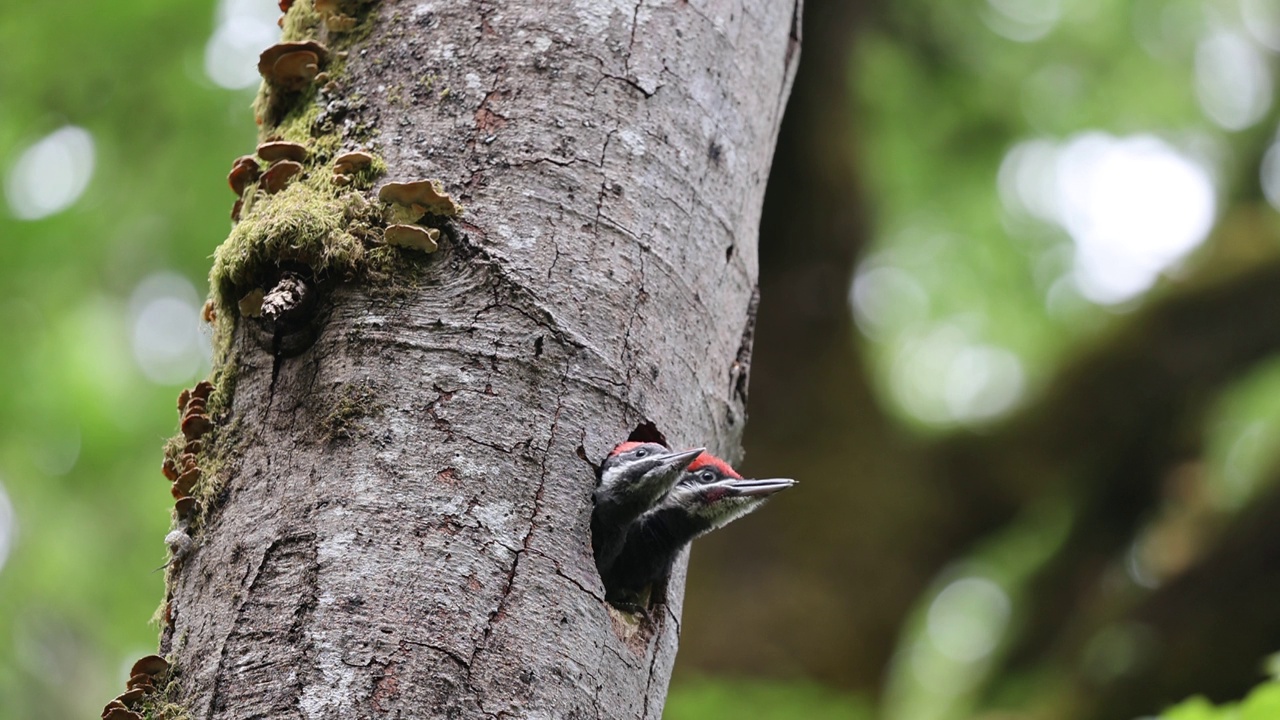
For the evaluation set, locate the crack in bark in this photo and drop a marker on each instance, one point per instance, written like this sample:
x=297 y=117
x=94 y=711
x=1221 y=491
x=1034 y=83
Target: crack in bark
x=739 y=373
x=634 y=84
x=556 y=247
x=222 y=652
x=631 y=43
x=491 y=446
x=641 y=296
x=604 y=181
x=560 y=571
x=672 y=614
x=500 y=610
x=648 y=686
x=464 y=662
x=285 y=582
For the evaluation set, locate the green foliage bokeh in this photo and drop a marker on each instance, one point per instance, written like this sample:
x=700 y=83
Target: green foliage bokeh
x=81 y=426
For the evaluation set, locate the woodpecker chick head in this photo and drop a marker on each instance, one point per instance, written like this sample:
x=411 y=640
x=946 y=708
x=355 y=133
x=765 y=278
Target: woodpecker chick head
x=714 y=494
x=641 y=473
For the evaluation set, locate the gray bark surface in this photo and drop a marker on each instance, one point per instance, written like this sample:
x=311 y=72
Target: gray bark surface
x=429 y=555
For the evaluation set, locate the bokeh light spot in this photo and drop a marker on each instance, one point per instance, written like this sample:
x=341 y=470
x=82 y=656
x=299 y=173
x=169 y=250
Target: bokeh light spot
x=1270 y=174
x=51 y=175
x=1262 y=20
x=885 y=297
x=943 y=377
x=1022 y=20
x=968 y=618
x=58 y=451
x=1133 y=206
x=1233 y=82
x=245 y=28
x=8 y=525
x=982 y=382
x=165 y=322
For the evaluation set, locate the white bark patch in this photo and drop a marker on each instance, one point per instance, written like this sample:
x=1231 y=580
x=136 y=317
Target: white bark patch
x=632 y=141
x=496 y=516
x=519 y=240
x=595 y=14
x=332 y=696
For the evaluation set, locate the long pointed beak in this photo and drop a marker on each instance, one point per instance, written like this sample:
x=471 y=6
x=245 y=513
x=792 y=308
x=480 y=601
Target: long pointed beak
x=760 y=488
x=679 y=460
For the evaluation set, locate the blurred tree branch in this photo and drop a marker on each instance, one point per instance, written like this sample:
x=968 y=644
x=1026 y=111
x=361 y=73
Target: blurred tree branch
x=834 y=571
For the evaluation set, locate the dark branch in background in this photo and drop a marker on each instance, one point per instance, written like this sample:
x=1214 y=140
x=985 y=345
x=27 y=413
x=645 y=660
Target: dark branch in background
x=891 y=510
x=1211 y=626
x=1113 y=426
x=812 y=413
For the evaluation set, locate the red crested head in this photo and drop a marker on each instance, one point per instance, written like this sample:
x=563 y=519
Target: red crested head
x=626 y=447
x=707 y=460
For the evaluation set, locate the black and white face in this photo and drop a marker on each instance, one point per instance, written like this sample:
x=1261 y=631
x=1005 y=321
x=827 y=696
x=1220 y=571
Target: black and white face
x=630 y=460
x=716 y=495
x=649 y=468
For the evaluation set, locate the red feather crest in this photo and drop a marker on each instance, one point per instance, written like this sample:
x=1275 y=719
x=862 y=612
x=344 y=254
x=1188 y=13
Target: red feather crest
x=711 y=461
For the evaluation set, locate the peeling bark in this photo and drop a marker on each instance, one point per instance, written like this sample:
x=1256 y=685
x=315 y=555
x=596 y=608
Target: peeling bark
x=404 y=529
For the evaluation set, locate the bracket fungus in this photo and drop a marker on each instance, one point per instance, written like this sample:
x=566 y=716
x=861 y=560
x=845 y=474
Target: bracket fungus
x=334 y=19
x=339 y=23
x=291 y=66
x=277 y=150
x=418 y=198
x=185 y=483
x=202 y=390
x=244 y=172
x=193 y=405
x=152 y=665
x=129 y=698
x=278 y=175
x=193 y=426
x=119 y=713
x=352 y=162
x=140 y=680
x=186 y=507
x=412 y=236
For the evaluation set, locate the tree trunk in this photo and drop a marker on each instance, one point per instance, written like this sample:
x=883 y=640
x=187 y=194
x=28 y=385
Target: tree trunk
x=397 y=504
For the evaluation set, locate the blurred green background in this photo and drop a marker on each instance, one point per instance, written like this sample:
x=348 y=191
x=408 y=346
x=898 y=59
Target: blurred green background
x=1019 y=335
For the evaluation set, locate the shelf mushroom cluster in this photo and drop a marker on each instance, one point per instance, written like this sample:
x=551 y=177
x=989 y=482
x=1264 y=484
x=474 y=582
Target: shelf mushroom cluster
x=142 y=680
x=284 y=163
x=409 y=202
x=182 y=471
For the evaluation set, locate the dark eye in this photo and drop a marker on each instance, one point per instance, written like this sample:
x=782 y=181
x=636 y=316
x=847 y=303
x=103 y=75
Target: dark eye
x=708 y=476
x=641 y=452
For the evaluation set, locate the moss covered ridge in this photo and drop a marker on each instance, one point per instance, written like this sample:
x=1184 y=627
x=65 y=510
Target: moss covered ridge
x=312 y=222
x=308 y=223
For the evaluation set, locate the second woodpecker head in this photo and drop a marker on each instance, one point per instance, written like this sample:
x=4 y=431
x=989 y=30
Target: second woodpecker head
x=712 y=494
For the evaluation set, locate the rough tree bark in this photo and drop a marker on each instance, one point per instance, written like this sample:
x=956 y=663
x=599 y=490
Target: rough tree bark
x=399 y=523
